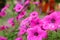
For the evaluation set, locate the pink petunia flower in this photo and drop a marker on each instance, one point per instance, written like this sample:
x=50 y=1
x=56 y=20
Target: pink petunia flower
x=35 y=22
x=24 y=25
x=52 y=20
x=11 y=21
x=3 y=38
x=21 y=15
x=6 y=7
x=21 y=32
x=36 y=33
x=2 y=14
x=3 y=27
x=34 y=14
x=19 y=38
x=47 y=26
x=56 y=13
x=27 y=2
x=25 y=22
x=18 y=7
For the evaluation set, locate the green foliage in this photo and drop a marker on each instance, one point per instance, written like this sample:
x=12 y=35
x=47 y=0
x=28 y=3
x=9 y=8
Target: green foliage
x=57 y=1
x=53 y=35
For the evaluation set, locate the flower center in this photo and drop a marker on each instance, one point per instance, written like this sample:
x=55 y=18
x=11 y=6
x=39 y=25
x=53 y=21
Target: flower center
x=42 y=28
x=37 y=23
x=19 y=8
x=33 y=14
x=53 y=20
x=36 y=33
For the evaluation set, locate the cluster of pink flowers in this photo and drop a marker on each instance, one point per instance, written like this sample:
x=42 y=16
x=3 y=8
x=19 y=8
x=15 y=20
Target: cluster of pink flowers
x=2 y=12
x=34 y=27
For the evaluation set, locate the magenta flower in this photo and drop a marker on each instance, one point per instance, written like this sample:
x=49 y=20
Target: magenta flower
x=24 y=25
x=18 y=7
x=56 y=13
x=27 y=2
x=47 y=26
x=3 y=38
x=52 y=20
x=34 y=15
x=35 y=22
x=21 y=31
x=11 y=21
x=21 y=15
x=6 y=7
x=19 y=38
x=36 y=33
x=2 y=13
x=3 y=27
x=25 y=22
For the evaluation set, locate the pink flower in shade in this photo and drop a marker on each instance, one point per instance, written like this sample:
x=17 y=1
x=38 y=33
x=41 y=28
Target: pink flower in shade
x=35 y=22
x=27 y=2
x=52 y=20
x=19 y=38
x=47 y=26
x=3 y=27
x=56 y=13
x=21 y=32
x=3 y=38
x=36 y=33
x=11 y=21
x=24 y=25
x=34 y=15
x=18 y=7
x=6 y=7
x=2 y=13
x=49 y=12
x=21 y=15
x=25 y=21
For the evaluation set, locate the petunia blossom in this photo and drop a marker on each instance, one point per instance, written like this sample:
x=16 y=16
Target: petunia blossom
x=21 y=15
x=18 y=7
x=36 y=21
x=52 y=20
x=3 y=27
x=27 y=2
x=11 y=21
x=3 y=38
x=6 y=7
x=2 y=14
x=47 y=26
x=19 y=38
x=34 y=14
x=35 y=33
x=22 y=31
